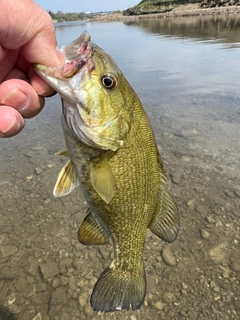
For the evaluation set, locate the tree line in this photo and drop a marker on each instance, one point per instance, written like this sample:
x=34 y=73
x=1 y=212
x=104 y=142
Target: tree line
x=69 y=16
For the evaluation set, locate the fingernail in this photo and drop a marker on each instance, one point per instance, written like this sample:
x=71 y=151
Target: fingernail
x=16 y=98
x=11 y=129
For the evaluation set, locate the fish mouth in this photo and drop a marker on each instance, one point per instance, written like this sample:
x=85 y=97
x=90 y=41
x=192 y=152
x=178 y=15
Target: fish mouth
x=79 y=64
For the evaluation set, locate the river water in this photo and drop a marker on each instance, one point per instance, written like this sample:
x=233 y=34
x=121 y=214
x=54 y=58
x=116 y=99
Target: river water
x=186 y=72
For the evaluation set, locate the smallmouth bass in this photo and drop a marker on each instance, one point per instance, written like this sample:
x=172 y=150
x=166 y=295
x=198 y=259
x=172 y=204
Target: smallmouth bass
x=114 y=159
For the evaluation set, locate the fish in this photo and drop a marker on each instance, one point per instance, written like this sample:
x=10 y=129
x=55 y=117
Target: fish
x=114 y=159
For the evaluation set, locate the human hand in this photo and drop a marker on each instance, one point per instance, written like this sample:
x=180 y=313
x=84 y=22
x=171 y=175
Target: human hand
x=27 y=36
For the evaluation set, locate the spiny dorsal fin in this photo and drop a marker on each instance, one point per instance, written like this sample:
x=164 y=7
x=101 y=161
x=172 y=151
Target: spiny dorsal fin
x=91 y=232
x=67 y=180
x=63 y=153
x=102 y=179
x=166 y=222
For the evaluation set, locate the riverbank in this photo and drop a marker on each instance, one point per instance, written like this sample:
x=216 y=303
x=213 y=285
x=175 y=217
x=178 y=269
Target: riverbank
x=178 y=11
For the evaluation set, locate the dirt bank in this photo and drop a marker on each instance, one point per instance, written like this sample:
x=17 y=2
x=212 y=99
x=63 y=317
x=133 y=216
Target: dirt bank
x=182 y=10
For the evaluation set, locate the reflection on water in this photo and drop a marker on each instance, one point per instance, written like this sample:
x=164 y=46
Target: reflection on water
x=221 y=28
x=189 y=85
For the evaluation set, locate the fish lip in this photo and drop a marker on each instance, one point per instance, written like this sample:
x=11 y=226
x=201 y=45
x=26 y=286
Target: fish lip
x=82 y=56
x=66 y=71
x=78 y=60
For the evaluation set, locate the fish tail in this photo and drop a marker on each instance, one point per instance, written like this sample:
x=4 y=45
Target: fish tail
x=117 y=289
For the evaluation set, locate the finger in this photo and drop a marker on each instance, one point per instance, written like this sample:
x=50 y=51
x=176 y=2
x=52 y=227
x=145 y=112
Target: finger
x=11 y=122
x=40 y=86
x=21 y=96
x=31 y=28
x=7 y=60
x=15 y=73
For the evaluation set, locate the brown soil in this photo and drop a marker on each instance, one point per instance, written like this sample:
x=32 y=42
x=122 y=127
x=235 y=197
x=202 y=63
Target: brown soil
x=182 y=10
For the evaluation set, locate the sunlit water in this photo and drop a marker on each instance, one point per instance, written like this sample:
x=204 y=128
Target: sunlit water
x=186 y=71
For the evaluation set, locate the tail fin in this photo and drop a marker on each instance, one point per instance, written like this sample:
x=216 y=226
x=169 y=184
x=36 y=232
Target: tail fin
x=116 y=290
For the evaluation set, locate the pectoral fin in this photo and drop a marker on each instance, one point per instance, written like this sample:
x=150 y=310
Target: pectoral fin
x=67 y=180
x=91 y=232
x=166 y=222
x=102 y=179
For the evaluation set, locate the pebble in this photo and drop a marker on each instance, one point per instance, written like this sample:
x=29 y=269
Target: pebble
x=29 y=153
x=29 y=290
x=36 y=148
x=77 y=264
x=14 y=309
x=188 y=133
x=38 y=170
x=168 y=297
x=49 y=270
x=63 y=281
x=235 y=266
x=32 y=268
x=72 y=283
x=6 y=251
x=204 y=234
x=66 y=262
x=190 y=203
x=89 y=276
x=10 y=299
x=58 y=298
x=176 y=177
x=88 y=309
x=159 y=305
x=216 y=253
x=82 y=299
x=168 y=257
x=21 y=284
x=237 y=304
x=38 y=317
x=41 y=286
x=185 y=158
x=55 y=283
x=210 y=220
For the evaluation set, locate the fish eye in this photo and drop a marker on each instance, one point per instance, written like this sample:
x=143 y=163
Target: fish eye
x=109 y=81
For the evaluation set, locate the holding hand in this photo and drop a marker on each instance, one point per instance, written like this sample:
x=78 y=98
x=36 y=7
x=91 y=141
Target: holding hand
x=26 y=36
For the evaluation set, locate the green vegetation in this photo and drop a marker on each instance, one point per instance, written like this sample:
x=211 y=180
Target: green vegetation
x=70 y=16
x=154 y=6
x=151 y=3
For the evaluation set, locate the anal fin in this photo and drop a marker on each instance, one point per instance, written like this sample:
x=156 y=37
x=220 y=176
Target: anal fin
x=91 y=232
x=166 y=221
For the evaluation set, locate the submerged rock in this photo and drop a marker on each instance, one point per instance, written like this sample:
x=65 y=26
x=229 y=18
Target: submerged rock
x=168 y=257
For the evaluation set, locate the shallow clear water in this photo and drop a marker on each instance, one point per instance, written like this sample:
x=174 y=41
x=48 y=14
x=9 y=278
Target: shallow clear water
x=186 y=72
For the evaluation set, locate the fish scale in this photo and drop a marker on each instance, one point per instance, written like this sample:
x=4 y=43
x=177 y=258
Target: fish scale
x=114 y=159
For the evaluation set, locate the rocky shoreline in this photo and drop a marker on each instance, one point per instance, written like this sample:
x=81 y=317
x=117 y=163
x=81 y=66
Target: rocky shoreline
x=178 y=11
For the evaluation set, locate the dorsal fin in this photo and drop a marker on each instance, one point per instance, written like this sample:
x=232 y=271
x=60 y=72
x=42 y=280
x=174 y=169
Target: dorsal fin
x=166 y=222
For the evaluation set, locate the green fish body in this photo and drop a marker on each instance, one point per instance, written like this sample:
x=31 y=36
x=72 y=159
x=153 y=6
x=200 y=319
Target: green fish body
x=114 y=160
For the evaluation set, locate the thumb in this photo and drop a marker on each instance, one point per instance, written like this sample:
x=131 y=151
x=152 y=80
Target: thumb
x=29 y=27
